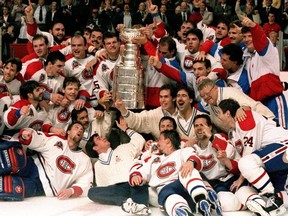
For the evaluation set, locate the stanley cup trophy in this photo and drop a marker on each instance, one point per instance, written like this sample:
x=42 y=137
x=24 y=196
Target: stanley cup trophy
x=128 y=77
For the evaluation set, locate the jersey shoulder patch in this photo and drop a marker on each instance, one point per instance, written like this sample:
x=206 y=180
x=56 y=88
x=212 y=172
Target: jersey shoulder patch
x=248 y=123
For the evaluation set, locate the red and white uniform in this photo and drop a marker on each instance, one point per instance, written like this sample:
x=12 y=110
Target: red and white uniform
x=60 y=167
x=186 y=62
x=153 y=79
x=60 y=117
x=263 y=69
x=103 y=80
x=212 y=168
x=35 y=71
x=34 y=119
x=160 y=170
x=256 y=132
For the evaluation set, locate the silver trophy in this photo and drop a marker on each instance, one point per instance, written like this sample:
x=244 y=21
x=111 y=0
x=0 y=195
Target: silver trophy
x=128 y=77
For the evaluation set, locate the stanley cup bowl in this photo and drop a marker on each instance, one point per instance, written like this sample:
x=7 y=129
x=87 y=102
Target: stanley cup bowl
x=128 y=34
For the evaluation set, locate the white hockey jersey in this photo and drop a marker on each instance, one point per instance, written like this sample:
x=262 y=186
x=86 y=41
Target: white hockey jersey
x=59 y=167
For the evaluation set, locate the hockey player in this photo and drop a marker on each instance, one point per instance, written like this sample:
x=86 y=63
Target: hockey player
x=59 y=116
x=262 y=146
x=26 y=112
x=262 y=65
x=64 y=170
x=220 y=166
x=10 y=82
x=174 y=174
x=112 y=168
x=75 y=66
x=147 y=121
x=49 y=75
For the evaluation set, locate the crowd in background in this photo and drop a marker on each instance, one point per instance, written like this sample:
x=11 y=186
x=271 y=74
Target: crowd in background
x=108 y=14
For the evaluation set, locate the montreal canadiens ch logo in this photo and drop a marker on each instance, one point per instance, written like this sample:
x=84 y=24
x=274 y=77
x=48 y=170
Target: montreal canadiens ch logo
x=64 y=115
x=166 y=170
x=208 y=162
x=65 y=164
x=188 y=62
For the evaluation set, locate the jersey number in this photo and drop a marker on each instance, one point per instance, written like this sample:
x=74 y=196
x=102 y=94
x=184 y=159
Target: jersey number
x=248 y=141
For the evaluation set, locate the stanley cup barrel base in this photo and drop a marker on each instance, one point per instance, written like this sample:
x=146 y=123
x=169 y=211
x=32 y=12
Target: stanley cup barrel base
x=129 y=86
x=128 y=76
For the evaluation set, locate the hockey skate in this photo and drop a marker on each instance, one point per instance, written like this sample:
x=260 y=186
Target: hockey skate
x=203 y=208
x=131 y=207
x=274 y=206
x=215 y=204
x=183 y=212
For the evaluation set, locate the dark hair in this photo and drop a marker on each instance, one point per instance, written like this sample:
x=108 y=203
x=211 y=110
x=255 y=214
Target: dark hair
x=230 y=105
x=57 y=21
x=109 y=35
x=207 y=117
x=191 y=22
x=89 y=147
x=71 y=125
x=245 y=29
x=54 y=56
x=28 y=87
x=74 y=113
x=224 y=21
x=197 y=32
x=40 y=36
x=174 y=137
x=169 y=87
x=15 y=61
x=235 y=22
x=169 y=118
x=70 y=80
x=97 y=29
x=190 y=91
x=206 y=62
x=235 y=53
x=170 y=42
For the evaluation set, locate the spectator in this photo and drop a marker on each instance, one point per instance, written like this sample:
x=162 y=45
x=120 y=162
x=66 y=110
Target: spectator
x=207 y=16
x=223 y=11
x=40 y=13
x=271 y=25
x=52 y=15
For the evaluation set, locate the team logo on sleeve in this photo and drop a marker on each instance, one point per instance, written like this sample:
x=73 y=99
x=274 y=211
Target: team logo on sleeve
x=41 y=78
x=65 y=164
x=63 y=115
x=75 y=64
x=208 y=162
x=166 y=170
x=59 y=145
x=239 y=147
x=188 y=62
x=87 y=74
x=104 y=68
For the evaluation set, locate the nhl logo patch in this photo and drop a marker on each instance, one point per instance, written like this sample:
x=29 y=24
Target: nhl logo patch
x=63 y=115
